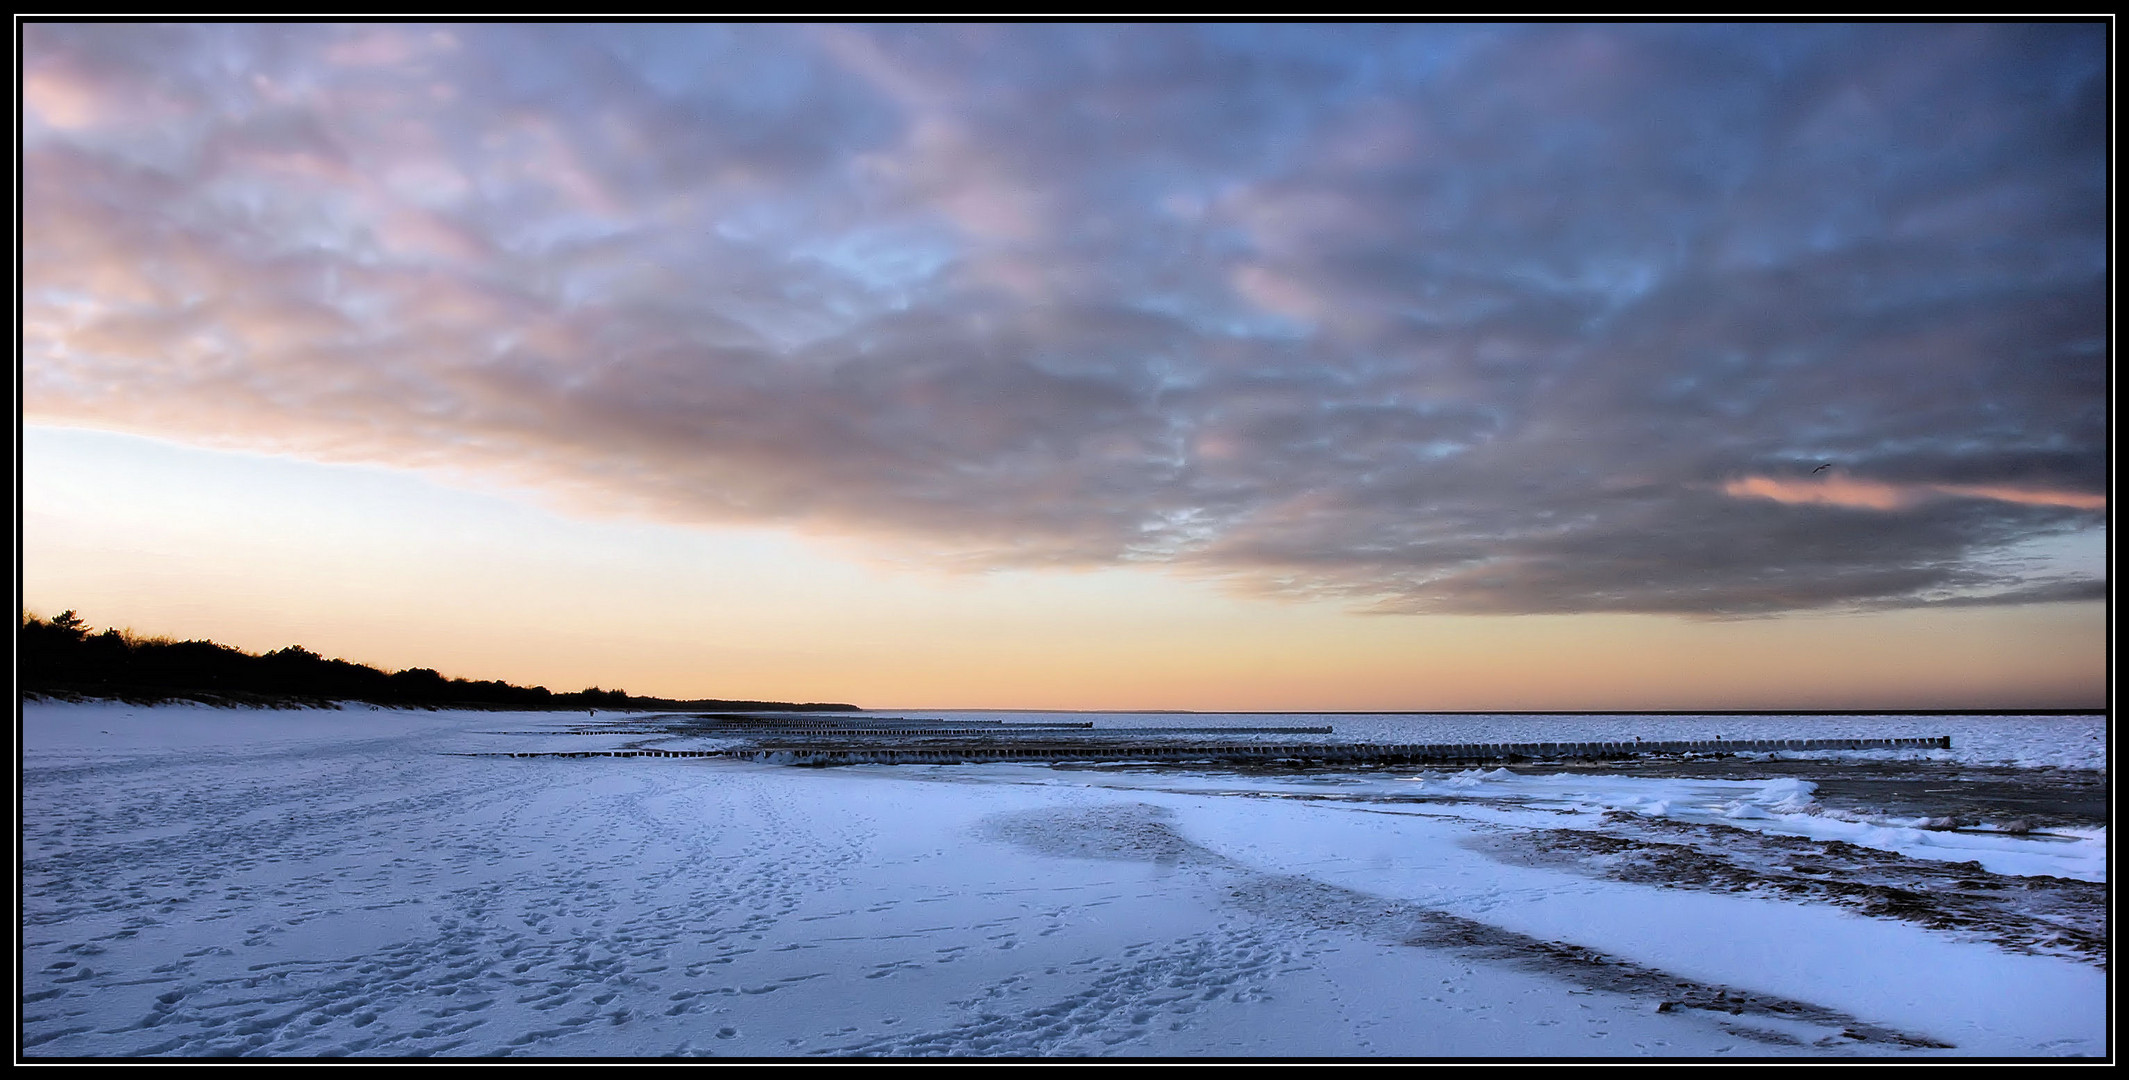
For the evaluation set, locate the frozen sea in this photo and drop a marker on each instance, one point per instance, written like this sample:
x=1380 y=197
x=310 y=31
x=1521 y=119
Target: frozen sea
x=200 y=882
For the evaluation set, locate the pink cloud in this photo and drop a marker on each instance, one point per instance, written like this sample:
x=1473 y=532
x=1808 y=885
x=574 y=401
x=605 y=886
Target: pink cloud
x=2029 y=496
x=62 y=101
x=1875 y=495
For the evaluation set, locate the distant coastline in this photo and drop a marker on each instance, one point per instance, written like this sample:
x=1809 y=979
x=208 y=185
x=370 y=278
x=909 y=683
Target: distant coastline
x=60 y=659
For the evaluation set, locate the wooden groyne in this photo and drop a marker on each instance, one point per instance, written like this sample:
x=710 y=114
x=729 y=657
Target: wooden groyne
x=1239 y=753
x=753 y=723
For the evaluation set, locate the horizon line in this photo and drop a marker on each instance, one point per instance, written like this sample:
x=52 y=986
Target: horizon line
x=1967 y=711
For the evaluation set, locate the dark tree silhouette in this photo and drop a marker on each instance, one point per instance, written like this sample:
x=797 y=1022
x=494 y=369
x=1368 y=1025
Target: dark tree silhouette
x=59 y=656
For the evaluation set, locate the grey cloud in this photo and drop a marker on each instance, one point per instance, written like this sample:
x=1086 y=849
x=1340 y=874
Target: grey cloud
x=1431 y=319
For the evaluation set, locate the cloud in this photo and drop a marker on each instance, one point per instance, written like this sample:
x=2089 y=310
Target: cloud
x=1871 y=495
x=1529 y=318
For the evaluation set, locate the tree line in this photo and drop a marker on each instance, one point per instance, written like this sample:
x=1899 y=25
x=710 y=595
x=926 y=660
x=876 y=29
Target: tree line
x=61 y=656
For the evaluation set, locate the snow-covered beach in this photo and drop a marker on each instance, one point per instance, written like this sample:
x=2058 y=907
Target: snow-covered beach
x=201 y=881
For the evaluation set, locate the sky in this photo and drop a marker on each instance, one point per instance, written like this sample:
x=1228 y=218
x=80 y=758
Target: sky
x=1047 y=366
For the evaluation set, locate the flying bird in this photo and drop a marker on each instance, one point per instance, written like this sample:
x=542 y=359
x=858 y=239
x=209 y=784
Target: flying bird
x=1822 y=468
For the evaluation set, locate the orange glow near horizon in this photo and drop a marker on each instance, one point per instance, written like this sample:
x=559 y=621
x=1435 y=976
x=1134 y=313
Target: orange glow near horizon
x=390 y=569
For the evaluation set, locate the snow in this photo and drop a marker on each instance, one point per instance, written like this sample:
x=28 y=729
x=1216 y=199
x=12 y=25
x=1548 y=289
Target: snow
x=201 y=881
x=1887 y=972
x=1785 y=807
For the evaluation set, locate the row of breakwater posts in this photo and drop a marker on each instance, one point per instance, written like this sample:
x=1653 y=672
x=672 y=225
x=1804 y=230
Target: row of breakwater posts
x=1302 y=753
